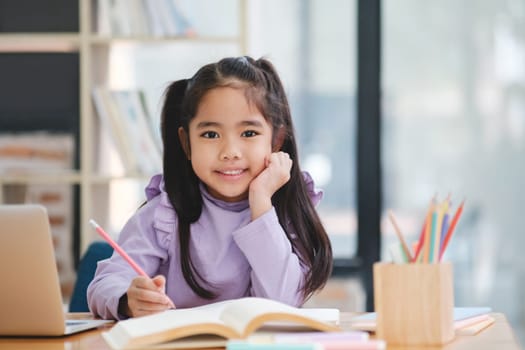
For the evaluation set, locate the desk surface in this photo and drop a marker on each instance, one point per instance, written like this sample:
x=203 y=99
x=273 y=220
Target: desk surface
x=498 y=336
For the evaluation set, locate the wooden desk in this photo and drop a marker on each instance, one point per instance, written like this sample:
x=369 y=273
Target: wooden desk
x=498 y=336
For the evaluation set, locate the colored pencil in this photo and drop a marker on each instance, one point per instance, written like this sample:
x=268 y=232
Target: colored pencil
x=450 y=231
x=421 y=242
x=444 y=226
x=436 y=243
x=428 y=228
x=433 y=229
x=118 y=249
x=400 y=236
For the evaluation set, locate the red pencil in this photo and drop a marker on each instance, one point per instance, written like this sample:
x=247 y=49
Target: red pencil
x=421 y=241
x=453 y=224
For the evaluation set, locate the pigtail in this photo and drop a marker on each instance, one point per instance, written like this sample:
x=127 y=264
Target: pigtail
x=181 y=183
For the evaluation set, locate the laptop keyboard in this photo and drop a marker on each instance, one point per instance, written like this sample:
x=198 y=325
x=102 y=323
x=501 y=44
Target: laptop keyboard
x=75 y=322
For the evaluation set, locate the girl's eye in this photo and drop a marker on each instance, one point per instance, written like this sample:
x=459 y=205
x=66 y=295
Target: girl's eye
x=249 y=133
x=210 y=135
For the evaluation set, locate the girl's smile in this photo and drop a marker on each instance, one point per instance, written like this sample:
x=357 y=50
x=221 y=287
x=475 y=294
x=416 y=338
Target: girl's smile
x=231 y=173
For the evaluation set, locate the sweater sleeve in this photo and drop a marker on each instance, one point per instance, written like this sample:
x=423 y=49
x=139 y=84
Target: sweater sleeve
x=277 y=272
x=114 y=275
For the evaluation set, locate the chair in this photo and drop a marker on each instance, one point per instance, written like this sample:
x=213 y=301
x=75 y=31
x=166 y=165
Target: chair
x=86 y=271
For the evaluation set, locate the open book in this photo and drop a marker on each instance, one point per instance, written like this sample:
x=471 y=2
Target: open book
x=217 y=322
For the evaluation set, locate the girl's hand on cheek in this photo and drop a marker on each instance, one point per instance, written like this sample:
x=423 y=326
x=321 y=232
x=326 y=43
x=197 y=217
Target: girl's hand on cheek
x=146 y=296
x=273 y=177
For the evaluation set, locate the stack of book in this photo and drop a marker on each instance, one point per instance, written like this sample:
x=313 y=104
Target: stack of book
x=467 y=320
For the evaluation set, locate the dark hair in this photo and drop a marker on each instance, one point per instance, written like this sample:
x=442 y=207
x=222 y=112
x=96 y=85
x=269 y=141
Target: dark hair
x=294 y=207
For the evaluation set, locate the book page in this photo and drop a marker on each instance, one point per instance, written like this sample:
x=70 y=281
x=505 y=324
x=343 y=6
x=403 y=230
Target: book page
x=167 y=325
x=247 y=314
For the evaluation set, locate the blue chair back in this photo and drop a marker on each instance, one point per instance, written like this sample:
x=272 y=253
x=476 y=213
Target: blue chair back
x=87 y=266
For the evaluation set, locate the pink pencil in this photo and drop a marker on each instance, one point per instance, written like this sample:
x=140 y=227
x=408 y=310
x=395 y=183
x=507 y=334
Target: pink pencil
x=117 y=248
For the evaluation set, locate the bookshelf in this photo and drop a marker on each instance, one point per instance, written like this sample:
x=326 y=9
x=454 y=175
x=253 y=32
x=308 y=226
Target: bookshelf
x=94 y=69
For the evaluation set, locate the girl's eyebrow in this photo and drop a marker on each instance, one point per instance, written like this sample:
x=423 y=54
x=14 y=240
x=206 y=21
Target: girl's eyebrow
x=255 y=123
x=205 y=124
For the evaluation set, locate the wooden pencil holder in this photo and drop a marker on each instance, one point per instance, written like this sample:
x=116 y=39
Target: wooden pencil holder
x=414 y=303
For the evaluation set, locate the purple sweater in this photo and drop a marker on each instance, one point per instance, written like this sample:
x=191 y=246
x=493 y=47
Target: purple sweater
x=238 y=257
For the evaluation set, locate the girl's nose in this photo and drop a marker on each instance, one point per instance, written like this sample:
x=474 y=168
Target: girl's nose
x=230 y=151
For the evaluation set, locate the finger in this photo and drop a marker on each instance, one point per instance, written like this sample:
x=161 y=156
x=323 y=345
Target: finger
x=274 y=158
x=284 y=154
x=144 y=283
x=267 y=160
x=148 y=295
x=282 y=159
x=289 y=163
x=151 y=307
x=160 y=282
x=143 y=309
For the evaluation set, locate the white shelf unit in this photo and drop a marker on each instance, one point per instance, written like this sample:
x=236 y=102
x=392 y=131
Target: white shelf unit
x=94 y=51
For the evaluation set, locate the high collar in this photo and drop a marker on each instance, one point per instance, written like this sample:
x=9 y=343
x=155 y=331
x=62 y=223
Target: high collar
x=231 y=206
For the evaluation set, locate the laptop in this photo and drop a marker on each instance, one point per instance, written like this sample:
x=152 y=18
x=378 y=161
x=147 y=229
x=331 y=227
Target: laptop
x=30 y=297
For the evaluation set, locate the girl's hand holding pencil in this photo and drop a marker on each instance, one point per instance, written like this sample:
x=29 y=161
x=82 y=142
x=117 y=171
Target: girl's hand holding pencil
x=145 y=295
x=435 y=234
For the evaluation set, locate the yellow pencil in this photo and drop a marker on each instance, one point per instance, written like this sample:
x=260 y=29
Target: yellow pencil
x=428 y=228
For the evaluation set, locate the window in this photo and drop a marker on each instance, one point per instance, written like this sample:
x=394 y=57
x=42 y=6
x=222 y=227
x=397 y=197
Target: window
x=454 y=122
x=312 y=44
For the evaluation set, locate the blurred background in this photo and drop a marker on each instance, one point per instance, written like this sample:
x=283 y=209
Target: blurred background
x=450 y=119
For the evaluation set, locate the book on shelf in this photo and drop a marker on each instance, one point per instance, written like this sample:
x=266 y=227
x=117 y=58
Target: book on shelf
x=174 y=21
x=124 y=114
x=152 y=119
x=138 y=130
x=214 y=324
x=111 y=121
x=156 y=18
x=30 y=152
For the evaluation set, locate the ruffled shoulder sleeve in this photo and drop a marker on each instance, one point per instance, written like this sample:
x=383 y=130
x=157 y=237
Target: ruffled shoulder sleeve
x=153 y=188
x=315 y=194
x=164 y=216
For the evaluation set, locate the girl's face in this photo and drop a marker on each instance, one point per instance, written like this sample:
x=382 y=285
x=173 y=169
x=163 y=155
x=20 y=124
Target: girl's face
x=229 y=142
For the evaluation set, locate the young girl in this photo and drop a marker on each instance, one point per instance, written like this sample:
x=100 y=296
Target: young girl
x=232 y=215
